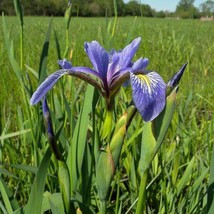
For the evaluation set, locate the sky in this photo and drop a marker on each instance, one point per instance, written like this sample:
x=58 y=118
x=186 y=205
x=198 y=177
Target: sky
x=169 y=5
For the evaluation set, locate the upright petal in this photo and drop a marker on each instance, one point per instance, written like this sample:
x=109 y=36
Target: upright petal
x=128 y=53
x=137 y=66
x=99 y=57
x=112 y=68
x=140 y=64
x=46 y=86
x=149 y=96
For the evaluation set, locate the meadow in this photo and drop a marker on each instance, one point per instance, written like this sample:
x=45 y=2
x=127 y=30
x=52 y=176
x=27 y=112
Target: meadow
x=179 y=175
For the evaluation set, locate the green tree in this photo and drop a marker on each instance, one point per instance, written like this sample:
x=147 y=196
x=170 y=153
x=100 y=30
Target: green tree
x=7 y=7
x=185 y=5
x=160 y=14
x=121 y=8
x=147 y=10
x=207 y=8
x=134 y=8
x=186 y=9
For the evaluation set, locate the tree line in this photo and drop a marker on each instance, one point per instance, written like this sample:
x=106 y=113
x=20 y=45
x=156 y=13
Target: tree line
x=91 y=8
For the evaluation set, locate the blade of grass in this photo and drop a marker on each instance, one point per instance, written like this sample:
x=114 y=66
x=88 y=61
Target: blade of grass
x=77 y=148
x=186 y=176
x=19 y=14
x=210 y=195
x=7 y=196
x=10 y=52
x=44 y=55
x=14 y=134
x=52 y=201
x=34 y=206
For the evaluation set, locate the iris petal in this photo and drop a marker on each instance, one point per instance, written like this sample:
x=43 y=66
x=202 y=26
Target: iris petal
x=140 y=64
x=65 y=64
x=99 y=57
x=85 y=70
x=46 y=86
x=46 y=114
x=128 y=53
x=173 y=82
x=149 y=94
x=112 y=67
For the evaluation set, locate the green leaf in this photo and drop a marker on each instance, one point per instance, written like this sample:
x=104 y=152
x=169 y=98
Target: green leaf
x=18 y=10
x=200 y=179
x=44 y=55
x=68 y=13
x=34 y=72
x=10 y=203
x=34 y=204
x=64 y=182
x=162 y=122
x=186 y=176
x=2 y=208
x=57 y=45
x=79 y=140
x=14 y=134
x=175 y=170
x=10 y=52
x=52 y=202
x=147 y=147
x=8 y=173
x=210 y=196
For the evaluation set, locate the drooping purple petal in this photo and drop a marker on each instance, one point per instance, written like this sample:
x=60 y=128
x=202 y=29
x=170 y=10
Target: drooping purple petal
x=65 y=64
x=149 y=94
x=140 y=64
x=128 y=53
x=46 y=86
x=99 y=57
x=85 y=70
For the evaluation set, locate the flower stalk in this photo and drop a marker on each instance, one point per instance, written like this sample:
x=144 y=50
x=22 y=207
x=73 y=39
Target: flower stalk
x=142 y=193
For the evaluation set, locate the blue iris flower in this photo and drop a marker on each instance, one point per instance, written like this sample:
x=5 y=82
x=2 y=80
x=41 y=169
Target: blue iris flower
x=110 y=71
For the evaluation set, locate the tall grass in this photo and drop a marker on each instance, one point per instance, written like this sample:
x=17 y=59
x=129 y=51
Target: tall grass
x=178 y=179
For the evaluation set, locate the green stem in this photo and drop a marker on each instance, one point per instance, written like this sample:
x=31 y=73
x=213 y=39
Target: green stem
x=118 y=193
x=103 y=207
x=142 y=194
x=67 y=37
x=107 y=126
x=21 y=48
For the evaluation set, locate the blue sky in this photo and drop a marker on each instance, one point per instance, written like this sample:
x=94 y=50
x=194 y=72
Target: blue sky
x=169 y=5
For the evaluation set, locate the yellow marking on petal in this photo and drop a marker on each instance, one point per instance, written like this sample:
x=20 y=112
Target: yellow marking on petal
x=145 y=79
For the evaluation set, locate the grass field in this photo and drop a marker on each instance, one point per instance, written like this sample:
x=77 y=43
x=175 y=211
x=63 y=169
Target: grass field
x=179 y=174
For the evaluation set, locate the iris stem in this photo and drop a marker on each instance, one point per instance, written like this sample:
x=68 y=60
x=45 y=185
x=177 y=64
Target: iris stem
x=107 y=126
x=142 y=194
x=108 y=122
x=103 y=207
